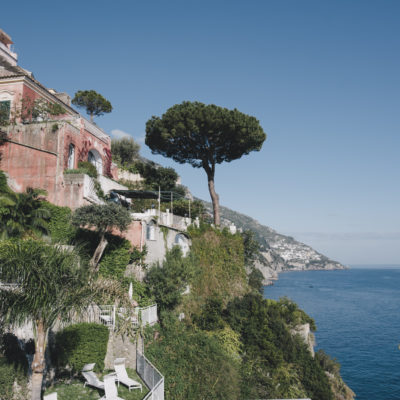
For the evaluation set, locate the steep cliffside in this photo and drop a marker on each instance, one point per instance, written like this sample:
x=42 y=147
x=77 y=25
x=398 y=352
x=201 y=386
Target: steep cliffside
x=279 y=252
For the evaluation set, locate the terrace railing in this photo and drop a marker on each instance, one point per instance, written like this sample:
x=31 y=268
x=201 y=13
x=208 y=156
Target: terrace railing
x=151 y=376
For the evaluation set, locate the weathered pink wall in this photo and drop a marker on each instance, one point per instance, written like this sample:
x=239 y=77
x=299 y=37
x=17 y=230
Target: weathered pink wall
x=37 y=154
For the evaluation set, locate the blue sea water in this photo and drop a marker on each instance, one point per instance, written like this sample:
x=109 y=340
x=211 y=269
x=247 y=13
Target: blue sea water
x=357 y=313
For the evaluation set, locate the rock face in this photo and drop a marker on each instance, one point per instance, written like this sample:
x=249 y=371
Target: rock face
x=279 y=252
x=305 y=333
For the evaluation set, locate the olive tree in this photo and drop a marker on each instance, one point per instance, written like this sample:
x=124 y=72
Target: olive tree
x=103 y=219
x=203 y=136
x=125 y=151
x=93 y=102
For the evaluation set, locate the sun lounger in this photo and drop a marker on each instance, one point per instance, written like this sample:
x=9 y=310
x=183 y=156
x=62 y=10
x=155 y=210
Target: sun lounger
x=111 y=391
x=51 y=396
x=91 y=378
x=122 y=376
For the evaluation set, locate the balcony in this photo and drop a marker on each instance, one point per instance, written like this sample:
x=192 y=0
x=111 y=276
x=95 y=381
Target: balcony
x=7 y=55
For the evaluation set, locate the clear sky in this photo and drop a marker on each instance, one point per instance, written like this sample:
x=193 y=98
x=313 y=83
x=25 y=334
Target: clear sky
x=323 y=78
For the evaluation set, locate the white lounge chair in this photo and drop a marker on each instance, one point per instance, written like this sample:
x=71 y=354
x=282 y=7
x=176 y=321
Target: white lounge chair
x=122 y=376
x=51 y=396
x=91 y=378
x=111 y=392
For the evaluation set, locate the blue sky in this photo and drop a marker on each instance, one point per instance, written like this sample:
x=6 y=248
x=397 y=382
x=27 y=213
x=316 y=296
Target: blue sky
x=321 y=76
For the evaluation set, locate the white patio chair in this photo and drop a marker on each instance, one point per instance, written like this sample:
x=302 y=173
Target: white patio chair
x=122 y=375
x=51 y=396
x=91 y=378
x=111 y=391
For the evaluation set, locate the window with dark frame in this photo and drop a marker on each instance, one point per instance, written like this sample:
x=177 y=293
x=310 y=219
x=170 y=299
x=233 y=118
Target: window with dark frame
x=5 y=107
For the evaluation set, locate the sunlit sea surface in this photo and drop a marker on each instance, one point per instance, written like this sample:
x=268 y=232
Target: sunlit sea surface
x=357 y=313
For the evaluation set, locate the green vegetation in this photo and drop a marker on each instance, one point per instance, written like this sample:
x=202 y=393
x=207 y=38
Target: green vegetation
x=59 y=224
x=94 y=103
x=74 y=389
x=220 y=267
x=116 y=257
x=52 y=284
x=103 y=218
x=217 y=339
x=194 y=363
x=30 y=110
x=22 y=214
x=203 y=136
x=167 y=282
x=10 y=378
x=81 y=344
x=125 y=151
x=84 y=167
x=227 y=324
x=13 y=368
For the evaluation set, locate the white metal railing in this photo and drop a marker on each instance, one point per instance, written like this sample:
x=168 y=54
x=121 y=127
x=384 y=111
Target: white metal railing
x=89 y=190
x=108 y=315
x=165 y=218
x=8 y=54
x=148 y=314
x=151 y=376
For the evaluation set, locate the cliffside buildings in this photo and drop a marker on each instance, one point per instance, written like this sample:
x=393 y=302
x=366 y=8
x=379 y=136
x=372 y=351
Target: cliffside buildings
x=41 y=146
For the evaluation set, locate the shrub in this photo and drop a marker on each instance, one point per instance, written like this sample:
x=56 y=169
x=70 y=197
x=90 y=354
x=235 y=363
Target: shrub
x=181 y=207
x=60 y=228
x=115 y=258
x=210 y=317
x=13 y=352
x=256 y=279
x=327 y=363
x=220 y=268
x=125 y=151
x=194 y=364
x=167 y=283
x=9 y=376
x=271 y=355
x=80 y=344
x=84 y=167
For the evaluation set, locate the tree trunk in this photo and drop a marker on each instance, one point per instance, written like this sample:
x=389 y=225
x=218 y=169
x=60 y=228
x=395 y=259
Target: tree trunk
x=214 y=198
x=94 y=262
x=39 y=363
x=91 y=117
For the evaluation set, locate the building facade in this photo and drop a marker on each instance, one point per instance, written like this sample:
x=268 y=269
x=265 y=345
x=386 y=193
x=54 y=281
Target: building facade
x=41 y=146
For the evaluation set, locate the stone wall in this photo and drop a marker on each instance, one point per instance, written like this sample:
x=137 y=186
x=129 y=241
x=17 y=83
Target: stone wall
x=120 y=347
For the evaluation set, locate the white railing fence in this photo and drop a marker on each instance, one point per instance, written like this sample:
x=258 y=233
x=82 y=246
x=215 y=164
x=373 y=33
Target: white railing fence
x=108 y=315
x=151 y=376
x=148 y=314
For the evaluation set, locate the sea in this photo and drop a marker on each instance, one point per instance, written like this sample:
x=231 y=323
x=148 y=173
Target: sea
x=357 y=313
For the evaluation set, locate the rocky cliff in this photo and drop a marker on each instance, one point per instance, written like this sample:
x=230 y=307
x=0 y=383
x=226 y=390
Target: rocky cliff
x=279 y=252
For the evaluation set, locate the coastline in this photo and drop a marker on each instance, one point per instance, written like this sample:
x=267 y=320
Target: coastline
x=273 y=275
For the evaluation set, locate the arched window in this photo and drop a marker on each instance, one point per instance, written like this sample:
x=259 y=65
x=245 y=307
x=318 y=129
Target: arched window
x=151 y=231
x=94 y=158
x=71 y=156
x=182 y=241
